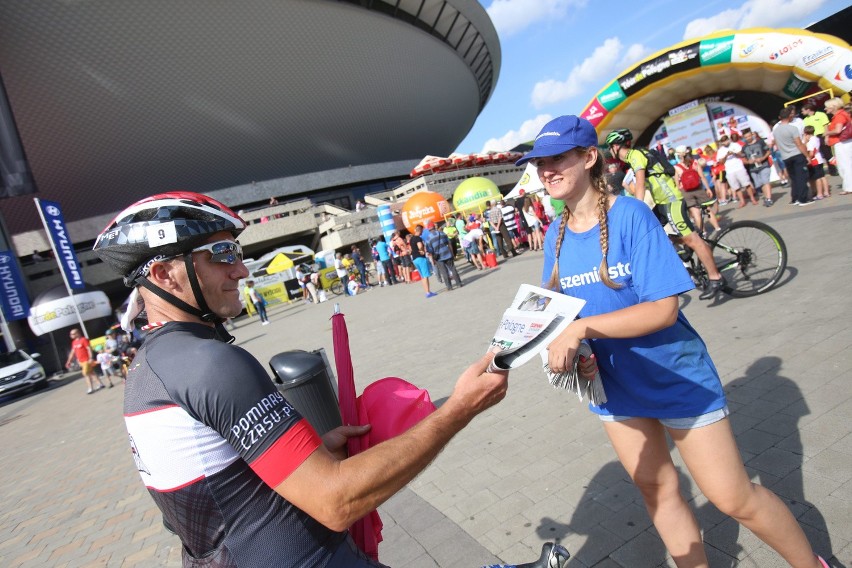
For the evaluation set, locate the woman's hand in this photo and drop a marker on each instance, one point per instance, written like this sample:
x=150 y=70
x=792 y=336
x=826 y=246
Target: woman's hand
x=588 y=367
x=561 y=351
x=335 y=440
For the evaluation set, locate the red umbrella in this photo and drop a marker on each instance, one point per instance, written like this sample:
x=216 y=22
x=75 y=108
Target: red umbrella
x=367 y=532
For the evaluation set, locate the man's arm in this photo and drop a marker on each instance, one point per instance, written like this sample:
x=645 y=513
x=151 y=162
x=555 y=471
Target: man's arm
x=801 y=146
x=339 y=492
x=639 y=190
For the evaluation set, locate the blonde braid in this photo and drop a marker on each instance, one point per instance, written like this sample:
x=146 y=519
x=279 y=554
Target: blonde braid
x=553 y=283
x=599 y=182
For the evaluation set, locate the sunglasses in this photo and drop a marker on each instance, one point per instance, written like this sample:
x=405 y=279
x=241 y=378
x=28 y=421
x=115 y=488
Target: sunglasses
x=227 y=252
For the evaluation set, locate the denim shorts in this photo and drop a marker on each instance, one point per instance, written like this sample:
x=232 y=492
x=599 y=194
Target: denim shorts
x=677 y=423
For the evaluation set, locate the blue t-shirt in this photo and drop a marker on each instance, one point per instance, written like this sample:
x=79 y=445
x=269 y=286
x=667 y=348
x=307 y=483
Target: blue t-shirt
x=666 y=374
x=384 y=251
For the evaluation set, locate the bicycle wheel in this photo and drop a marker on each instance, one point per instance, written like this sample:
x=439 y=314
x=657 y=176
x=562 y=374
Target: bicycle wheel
x=337 y=287
x=751 y=256
x=372 y=277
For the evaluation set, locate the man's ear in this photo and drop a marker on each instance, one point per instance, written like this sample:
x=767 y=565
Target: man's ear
x=165 y=274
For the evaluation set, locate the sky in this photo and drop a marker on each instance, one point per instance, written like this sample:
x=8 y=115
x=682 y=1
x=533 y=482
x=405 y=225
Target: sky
x=557 y=54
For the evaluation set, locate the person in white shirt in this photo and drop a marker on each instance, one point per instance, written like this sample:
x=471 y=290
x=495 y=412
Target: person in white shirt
x=816 y=166
x=735 y=172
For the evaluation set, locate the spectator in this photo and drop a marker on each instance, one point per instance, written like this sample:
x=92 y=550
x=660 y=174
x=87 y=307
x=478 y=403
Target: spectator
x=536 y=237
x=403 y=255
x=841 y=124
x=81 y=349
x=342 y=273
x=438 y=246
x=689 y=177
x=358 y=260
x=816 y=166
x=757 y=157
x=495 y=219
x=509 y=225
x=37 y=257
x=731 y=153
x=793 y=152
x=418 y=257
x=384 y=252
x=819 y=121
x=273 y=201
x=107 y=361
x=258 y=301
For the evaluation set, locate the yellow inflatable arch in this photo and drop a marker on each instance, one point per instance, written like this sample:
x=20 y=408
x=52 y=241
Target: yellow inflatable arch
x=787 y=63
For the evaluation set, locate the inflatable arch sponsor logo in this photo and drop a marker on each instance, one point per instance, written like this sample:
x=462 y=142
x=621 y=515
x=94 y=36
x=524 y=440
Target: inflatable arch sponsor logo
x=747 y=49
x=786 y=49
x=716 y=51
x=665 y=65
x=820 y=55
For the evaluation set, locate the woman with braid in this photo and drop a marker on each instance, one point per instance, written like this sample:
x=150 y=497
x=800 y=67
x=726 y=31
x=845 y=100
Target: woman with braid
x=656 y=371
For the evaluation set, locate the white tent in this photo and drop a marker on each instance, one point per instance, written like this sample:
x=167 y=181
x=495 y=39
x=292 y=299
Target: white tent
x=529 y=182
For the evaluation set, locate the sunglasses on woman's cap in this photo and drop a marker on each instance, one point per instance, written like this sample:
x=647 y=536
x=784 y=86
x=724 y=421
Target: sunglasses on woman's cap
x=228 y=252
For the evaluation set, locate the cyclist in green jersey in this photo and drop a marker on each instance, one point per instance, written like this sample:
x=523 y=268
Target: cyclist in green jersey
x=670 y=206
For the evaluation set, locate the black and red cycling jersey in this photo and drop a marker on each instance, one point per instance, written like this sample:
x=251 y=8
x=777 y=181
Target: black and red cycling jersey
x=211 y=436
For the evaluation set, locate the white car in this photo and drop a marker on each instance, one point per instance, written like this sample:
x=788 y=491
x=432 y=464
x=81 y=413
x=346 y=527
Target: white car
x=19 y=370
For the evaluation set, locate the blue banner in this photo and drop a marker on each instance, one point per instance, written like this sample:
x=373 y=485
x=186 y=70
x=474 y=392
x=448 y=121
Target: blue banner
x=13 y=295
x=54 y=223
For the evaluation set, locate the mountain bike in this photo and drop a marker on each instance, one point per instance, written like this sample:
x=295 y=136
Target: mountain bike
x=750 y=255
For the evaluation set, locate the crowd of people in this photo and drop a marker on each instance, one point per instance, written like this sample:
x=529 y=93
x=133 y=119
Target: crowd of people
x=803 y=150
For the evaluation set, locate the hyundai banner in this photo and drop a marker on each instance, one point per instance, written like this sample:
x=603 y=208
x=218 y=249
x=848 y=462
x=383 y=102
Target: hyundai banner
x=13 y=299
x=54 y=224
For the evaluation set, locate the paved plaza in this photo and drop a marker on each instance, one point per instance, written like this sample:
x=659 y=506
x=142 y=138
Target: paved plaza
x=537 y=467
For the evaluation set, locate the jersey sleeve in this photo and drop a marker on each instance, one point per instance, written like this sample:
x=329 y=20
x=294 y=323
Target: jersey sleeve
x=637 y=160
x=229 y=391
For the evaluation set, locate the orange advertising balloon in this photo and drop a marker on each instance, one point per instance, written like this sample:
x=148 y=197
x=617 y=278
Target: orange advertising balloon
x=422 y=207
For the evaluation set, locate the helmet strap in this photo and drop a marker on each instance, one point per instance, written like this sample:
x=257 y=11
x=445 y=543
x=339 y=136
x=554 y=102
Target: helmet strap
x=207 y=314
x=203 y=312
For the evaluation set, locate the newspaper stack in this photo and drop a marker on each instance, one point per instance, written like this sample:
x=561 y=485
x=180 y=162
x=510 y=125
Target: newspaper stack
x=571 y=380
x=534 y=319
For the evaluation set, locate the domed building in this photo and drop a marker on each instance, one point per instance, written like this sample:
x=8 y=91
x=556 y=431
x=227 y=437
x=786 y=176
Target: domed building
x=107 y=102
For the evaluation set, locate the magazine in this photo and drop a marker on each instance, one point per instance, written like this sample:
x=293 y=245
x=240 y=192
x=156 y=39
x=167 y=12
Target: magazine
x=536 y=317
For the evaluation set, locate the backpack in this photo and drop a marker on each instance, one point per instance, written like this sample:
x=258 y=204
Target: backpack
x=654 y=156
x=689 y=178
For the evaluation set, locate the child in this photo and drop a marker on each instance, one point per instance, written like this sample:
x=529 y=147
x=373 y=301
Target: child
x=106 y=361
x=816 y=166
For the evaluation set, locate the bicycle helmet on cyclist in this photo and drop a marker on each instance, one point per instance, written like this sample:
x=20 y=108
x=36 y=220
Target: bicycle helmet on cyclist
x=619 y=136
x=160 y=227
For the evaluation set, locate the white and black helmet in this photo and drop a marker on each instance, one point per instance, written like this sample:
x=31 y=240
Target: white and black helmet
x=162 y=226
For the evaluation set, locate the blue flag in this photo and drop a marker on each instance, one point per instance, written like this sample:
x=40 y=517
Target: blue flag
x=54 y=223
x=13 y=295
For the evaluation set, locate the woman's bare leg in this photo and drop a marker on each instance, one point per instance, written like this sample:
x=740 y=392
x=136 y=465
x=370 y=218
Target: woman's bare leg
x=715 y=464
x=640 y=444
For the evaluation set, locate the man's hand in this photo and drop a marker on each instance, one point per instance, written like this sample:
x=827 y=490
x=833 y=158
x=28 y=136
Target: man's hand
x=477 y=390
x=335 y=440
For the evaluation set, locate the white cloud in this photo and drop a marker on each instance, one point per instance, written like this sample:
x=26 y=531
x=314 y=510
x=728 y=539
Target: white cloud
x=512 y=16
x=525 y=133
x=753 y=13
x=605 y=61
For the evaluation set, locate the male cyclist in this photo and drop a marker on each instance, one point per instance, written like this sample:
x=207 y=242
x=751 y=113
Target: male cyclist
x=238 y=473
x=670 y=206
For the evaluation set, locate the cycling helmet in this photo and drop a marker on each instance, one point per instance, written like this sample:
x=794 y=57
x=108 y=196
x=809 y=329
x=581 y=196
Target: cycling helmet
x=163 y=225
x=619 y=136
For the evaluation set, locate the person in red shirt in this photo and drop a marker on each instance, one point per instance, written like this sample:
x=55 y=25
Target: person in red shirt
x=82 y=350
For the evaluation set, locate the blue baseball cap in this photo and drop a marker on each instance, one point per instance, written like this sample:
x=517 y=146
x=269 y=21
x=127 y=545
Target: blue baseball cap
x=560 y=135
